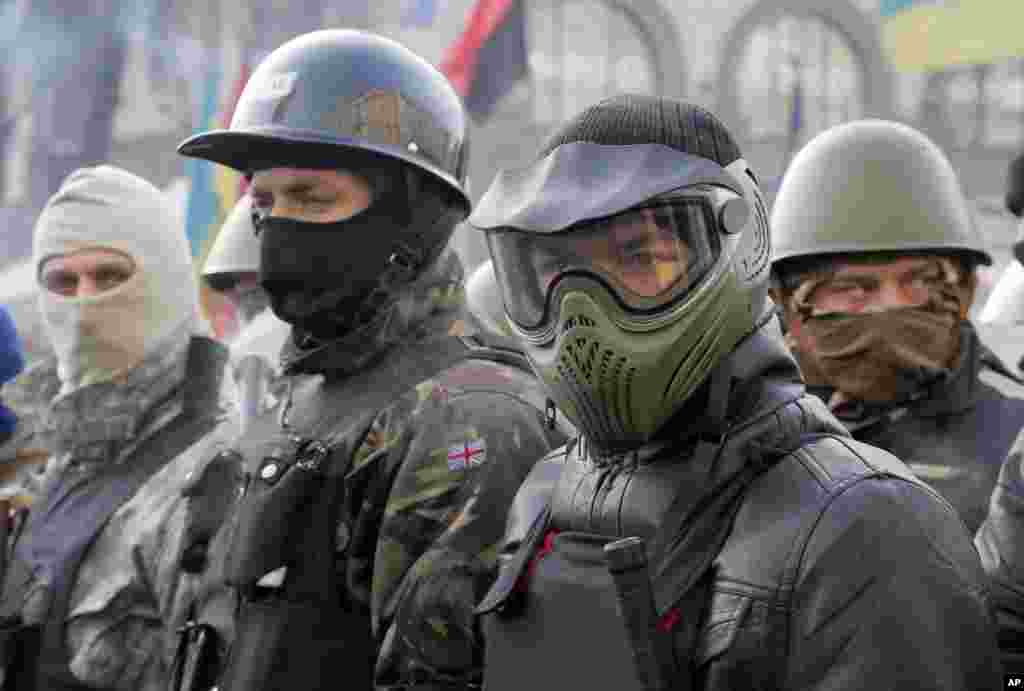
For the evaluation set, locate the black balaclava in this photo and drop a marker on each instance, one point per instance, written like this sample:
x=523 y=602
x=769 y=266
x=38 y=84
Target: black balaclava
x=328 y=278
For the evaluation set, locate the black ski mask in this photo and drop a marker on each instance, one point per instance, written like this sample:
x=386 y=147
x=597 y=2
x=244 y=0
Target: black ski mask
x=328 y=278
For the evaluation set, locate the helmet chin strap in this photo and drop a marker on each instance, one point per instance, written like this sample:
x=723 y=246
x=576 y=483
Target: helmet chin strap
x=719 y=387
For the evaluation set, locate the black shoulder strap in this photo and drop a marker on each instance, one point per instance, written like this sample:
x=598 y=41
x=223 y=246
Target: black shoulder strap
x=506 y=351
x=501 y=349
x=995 y=363
x=91 y=504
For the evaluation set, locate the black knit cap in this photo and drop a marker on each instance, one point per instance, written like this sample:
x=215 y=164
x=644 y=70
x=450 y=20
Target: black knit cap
x=638 y=119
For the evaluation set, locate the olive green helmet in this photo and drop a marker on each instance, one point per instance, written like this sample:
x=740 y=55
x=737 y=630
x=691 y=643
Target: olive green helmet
x=871 y=186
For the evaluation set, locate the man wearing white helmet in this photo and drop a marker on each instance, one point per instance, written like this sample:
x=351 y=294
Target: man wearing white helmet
x=874 y=259
x=109 y=562
x=233 y=265
x=483 y=300
x=232 y=269
x=1000 y=540
x=1005 y=304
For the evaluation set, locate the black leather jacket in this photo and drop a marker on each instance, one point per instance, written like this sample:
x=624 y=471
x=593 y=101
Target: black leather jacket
x=834 y=568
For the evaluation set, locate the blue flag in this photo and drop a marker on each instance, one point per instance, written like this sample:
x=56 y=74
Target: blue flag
x=796 y=109
x=419 y=13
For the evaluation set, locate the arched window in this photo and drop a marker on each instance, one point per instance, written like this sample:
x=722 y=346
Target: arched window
x=580 y=51
x=789 y=69
x=799 y=77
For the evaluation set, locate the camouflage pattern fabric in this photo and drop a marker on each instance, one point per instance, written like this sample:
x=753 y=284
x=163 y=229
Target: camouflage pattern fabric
x=130 y=595
x=29 y=396
x=431 y=484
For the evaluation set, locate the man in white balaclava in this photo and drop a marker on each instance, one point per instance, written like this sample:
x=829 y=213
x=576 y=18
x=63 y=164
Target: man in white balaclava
x=96 y=337
x=111 y=559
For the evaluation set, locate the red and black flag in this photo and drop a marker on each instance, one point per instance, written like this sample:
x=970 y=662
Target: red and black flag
x=489 y=57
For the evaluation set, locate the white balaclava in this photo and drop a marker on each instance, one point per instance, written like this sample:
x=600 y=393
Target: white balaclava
x=97 y=337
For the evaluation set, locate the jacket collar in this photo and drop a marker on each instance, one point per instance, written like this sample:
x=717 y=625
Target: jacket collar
x=336 y=359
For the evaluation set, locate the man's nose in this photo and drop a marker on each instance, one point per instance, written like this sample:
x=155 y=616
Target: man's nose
x=895 y=294
x=86 y=286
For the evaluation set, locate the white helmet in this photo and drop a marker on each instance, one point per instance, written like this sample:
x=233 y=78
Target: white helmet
x=236 y=250
x=483 y=300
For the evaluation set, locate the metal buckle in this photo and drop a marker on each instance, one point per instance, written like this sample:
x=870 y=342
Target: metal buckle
x=311 y=455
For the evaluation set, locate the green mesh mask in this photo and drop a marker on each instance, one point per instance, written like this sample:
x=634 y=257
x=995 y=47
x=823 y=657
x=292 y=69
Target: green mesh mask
x=620 y=384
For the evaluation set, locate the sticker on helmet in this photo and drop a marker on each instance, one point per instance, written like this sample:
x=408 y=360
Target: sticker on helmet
x=277 y=86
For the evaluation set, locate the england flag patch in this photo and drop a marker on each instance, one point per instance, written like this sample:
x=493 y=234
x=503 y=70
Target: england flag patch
x=472 y=452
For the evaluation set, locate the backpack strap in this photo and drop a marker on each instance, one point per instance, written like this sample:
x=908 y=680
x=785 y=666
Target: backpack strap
x=506 y=351
x=91 y=504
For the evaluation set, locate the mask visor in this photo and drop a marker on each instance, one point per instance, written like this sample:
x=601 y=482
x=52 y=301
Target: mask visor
x=647 y=257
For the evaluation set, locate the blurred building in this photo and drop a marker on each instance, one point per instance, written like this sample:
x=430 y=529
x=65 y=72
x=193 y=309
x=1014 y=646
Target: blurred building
x=777 y=71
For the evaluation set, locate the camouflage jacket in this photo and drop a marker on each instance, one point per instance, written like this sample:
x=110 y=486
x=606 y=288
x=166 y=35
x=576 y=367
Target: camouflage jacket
x=427 y=488
x=129 y=595
x=29 y=396
x=956 y=436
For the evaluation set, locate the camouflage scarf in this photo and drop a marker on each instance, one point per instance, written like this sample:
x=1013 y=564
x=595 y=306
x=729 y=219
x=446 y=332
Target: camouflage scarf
x=882 y=356
x=95 y=424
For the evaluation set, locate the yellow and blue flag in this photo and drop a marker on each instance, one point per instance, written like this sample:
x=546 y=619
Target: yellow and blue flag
x=213 y=192
x=921 y=35
x=419 y=14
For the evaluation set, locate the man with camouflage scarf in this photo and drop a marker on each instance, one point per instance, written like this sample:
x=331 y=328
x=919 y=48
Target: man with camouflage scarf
x=874 y=260
x=98 y=583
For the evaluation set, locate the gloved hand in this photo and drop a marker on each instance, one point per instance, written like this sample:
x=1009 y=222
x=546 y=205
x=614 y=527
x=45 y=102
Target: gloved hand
x=433 y=639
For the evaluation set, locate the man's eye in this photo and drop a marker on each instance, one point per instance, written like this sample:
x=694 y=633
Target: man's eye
x=111 y=278
x=846 y=288
x=61 y=283
x=261 y=206
x=638 y=258
x=316 y=200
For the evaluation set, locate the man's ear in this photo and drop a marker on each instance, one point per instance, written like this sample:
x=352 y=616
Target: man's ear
x=968 y=284
x=779 y=297
x=970 y=287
